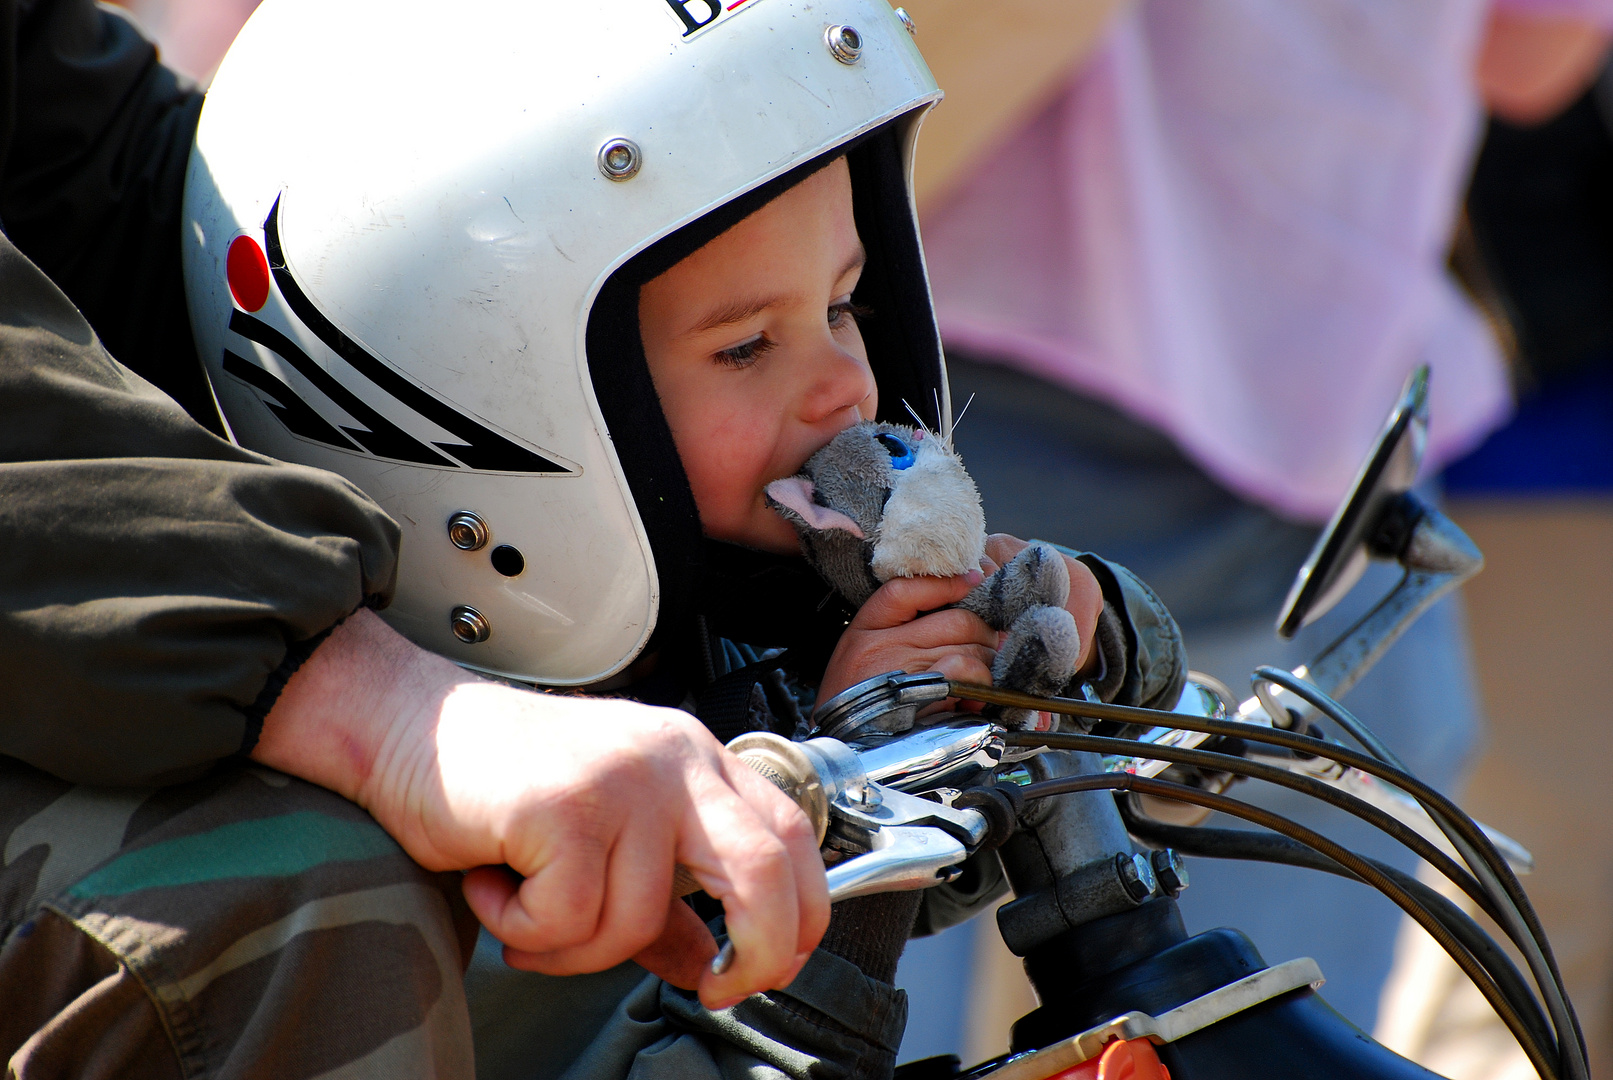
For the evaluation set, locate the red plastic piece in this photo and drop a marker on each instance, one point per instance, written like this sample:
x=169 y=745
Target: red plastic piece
x=1134 y=1060
x=248 y=273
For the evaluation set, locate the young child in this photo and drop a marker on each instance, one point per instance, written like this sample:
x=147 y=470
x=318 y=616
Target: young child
x=757 y=359
x=701 y=329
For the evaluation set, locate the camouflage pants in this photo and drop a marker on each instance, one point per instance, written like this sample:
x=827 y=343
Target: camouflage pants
x=244 y=925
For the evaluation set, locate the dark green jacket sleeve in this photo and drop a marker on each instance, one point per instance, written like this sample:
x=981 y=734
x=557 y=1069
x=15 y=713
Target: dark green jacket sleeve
x=153 y=577
x=832 y=1023
x=94 y=139
x=1155 y=662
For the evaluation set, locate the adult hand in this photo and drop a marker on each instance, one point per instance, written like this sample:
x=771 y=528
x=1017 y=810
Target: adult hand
x=569 y=812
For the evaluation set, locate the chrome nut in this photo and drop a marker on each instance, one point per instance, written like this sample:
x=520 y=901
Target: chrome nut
x=845 y=43
x=620 y=159
x=1137 y=875
x=1171 y=871
x=469 y=625
x=467 y=531
x=907 y=21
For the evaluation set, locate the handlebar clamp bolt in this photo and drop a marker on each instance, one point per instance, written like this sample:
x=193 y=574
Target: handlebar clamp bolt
x=1137 y=875
x=866 y=796
x=1170 y=870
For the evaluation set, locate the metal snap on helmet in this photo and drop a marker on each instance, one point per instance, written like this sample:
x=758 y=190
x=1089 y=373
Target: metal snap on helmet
x=403 y=227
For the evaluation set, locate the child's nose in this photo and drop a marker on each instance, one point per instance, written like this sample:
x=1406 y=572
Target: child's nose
x=844 y=381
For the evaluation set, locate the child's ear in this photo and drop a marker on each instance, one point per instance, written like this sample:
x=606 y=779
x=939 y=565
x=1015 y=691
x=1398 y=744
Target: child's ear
x=792 y=497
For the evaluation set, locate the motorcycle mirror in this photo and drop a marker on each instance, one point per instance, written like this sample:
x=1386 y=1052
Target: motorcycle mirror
x=1341 y=554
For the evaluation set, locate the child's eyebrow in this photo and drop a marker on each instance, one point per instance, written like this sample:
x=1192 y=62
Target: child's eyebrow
x=740 y=310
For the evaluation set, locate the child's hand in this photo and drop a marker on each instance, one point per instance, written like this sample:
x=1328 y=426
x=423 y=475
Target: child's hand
x=892 y=632
x=1085 y=601
x=901 y=629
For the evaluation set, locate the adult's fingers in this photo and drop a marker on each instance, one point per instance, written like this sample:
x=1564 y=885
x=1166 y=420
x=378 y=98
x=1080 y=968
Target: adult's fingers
x=741 y=854
x=789 y=822
x=684 y=950
x=557 y=907
x=633 y=913
x=488 y=889
x=901 y=600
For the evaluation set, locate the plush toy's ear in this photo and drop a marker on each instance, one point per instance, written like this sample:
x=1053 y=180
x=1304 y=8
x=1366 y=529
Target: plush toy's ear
x=795 y=495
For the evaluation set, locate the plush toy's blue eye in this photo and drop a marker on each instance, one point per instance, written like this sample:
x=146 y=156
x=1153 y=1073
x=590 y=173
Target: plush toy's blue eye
x=901 y=454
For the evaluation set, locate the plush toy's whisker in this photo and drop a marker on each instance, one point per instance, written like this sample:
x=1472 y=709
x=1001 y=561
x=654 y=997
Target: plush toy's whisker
x=917 y=419
x=956 y=420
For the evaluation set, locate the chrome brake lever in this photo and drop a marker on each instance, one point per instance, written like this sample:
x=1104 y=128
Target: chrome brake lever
x=912 y=843
x=904 y=857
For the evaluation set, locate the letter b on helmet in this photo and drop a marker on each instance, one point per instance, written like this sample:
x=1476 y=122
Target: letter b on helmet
x=680 y=8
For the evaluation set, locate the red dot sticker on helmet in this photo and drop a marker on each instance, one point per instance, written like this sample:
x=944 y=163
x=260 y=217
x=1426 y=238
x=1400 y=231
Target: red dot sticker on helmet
x=248 y=272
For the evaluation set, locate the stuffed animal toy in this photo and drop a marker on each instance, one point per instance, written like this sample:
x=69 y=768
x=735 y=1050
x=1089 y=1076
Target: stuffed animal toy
x=883 y=501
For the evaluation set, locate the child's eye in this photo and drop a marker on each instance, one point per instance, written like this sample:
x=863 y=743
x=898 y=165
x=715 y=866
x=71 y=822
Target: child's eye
x=846 y=312
x=746 y=352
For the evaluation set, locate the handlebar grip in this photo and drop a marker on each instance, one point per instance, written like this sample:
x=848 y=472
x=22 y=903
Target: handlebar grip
x=683 y=882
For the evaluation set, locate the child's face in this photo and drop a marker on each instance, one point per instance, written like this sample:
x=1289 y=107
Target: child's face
x=756 y=355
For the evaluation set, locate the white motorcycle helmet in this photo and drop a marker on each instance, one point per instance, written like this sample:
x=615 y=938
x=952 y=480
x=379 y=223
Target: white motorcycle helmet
x=414 y=239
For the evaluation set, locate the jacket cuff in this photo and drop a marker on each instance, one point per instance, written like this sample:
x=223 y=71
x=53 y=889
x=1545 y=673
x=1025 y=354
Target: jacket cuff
x=297 y=654
x=1112 y=652
x=831 y=1022
x=1156 y=663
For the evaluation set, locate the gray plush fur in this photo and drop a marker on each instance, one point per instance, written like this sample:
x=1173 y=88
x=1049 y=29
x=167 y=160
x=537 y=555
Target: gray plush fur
x=862 y=522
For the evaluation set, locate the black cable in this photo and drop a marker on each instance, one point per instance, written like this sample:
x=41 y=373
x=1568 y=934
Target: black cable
x=1305 y=785
x=1273 y=848
x=1433 y=801
x=1542 y=961
x=1341 y=716
x=1539 y=1059
x=1469 y=840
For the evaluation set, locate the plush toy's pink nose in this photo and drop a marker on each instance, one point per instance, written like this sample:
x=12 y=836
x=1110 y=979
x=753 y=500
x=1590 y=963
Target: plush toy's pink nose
x=796 y=494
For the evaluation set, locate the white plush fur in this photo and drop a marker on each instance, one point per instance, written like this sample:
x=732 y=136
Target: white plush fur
x=933 y=524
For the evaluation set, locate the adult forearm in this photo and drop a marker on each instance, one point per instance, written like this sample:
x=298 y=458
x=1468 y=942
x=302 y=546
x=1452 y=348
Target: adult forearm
x=363 y=693
x=589 y=801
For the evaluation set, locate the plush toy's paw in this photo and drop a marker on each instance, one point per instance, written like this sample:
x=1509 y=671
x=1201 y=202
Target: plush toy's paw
x=1037 y=576
x=1040 y=653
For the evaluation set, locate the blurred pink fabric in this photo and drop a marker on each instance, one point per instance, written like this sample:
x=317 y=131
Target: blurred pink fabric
x=1233 y=225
